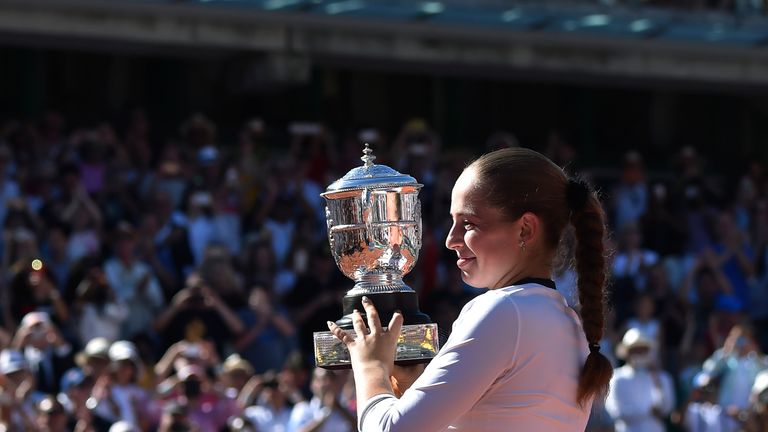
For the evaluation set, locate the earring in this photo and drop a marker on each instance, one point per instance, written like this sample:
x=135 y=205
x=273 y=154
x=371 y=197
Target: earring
x=522 y=245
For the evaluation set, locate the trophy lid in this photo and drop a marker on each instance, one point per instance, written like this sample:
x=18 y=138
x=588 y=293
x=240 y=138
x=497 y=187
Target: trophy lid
x=370 y=176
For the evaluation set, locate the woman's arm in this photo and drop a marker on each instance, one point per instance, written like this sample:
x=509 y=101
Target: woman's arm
x=452 y=383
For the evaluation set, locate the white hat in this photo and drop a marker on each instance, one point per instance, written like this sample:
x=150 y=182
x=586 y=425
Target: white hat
x=190 y=370
x=123 y=350
x=96 y=347
x=761 y=383
x=633 y=338
x=33 y=318
x=12 y=361
x=123 y=426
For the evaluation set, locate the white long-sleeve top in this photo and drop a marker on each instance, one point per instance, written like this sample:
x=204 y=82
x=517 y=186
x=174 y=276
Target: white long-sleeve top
x=511 y=363
x=632 y=396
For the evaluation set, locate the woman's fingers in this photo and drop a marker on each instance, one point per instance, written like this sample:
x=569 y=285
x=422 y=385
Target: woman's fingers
x=395 y=324
x=340 y=333
x=374 y=323
x=358 y=324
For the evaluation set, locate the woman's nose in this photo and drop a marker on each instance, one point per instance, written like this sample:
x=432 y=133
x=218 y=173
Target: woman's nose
x=454 y=240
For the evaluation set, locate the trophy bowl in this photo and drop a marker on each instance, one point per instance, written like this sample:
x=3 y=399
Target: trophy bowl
x=373 y=215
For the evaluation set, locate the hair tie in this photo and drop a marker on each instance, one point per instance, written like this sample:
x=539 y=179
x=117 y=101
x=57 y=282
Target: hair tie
x=576 y=195
x=594 y=348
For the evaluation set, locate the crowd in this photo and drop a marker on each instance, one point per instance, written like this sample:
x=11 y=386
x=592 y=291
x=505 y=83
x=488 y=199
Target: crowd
x=174 y=285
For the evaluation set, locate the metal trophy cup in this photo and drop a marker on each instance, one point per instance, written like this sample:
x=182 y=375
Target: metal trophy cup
x=374 y=229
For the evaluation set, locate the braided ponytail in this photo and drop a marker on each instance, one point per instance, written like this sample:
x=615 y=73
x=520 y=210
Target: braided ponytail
x=588 y=220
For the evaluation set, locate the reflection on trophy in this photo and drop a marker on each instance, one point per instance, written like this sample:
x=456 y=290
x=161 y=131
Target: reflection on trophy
x=374 y=229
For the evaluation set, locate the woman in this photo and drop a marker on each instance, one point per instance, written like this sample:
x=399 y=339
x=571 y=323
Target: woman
x=516 y=355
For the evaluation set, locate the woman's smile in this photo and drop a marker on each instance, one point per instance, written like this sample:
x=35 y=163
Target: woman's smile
x=464 y=262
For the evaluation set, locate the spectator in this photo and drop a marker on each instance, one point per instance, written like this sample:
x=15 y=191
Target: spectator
x=101 y=313
x=641 y=395
x=18 y=390
x=175 y=418
x=325 y=412
x=693 y=198
x=735 y=256
x=197 y=313
x=167 y=229
x=116 y=395
x=45 y=350
x=235 y=374
x=702 y=287
x=94 y=360
x=76 y=389
x=629 y=270
x=645 y=322
x=272 y=411
x=206 y=409
x=51 y=416
x=33 y=290
x=199 y=353
x=54 y=253
x=631 y=195
x=736 y=365
x=270 y=334
x=702 y=413
x=201 y=227
x=631 y=260
x=85 y=220
x=133 y=283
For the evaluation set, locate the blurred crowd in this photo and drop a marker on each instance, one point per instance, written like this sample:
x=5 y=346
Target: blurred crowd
x=174 y=284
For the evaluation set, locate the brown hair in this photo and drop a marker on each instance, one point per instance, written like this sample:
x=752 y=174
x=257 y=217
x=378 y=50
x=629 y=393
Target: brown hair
x=519 y=180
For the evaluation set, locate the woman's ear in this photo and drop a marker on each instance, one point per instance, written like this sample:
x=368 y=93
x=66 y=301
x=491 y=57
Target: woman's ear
x=530 y=228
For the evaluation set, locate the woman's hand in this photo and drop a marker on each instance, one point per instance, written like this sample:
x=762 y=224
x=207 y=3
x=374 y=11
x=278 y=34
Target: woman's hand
x=371 y=347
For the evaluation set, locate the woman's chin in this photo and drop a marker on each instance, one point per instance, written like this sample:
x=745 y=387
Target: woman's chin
x=474 y=282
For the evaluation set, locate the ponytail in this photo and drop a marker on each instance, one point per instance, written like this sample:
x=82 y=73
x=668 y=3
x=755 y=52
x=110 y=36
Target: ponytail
x=588 y=220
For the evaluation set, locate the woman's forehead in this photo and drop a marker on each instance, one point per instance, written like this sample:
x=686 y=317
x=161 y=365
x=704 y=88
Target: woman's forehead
x=465 y=195
x=468 y=199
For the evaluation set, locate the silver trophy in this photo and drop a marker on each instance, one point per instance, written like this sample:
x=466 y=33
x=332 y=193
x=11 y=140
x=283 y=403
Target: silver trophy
x=374 y=230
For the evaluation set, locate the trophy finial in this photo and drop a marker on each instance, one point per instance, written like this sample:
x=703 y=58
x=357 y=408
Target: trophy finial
x=368 y=156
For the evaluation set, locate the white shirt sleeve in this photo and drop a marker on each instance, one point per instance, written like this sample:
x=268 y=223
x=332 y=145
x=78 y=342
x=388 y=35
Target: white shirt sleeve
x=667 y=403
x=480 y=349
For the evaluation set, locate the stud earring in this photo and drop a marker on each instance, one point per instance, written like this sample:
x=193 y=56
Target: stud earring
x=522 y=245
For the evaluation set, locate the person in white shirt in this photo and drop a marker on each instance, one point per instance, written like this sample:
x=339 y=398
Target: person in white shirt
x=641 y=396
x=133 y=283
x=325 y=412
x=702 y=413
x=737 y=364
x=518 y=357
x=117 y=396
x=271 y=413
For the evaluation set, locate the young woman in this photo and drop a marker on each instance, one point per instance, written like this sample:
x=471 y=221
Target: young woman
x=518 y=357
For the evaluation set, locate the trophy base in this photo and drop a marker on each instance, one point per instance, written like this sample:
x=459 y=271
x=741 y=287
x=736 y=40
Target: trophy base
x=418 y=343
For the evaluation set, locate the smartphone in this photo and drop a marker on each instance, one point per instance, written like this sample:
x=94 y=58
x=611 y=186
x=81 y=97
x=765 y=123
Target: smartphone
x=192 y=350
x=304 y=128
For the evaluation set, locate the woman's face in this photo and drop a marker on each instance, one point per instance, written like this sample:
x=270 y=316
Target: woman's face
x=486 y=243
